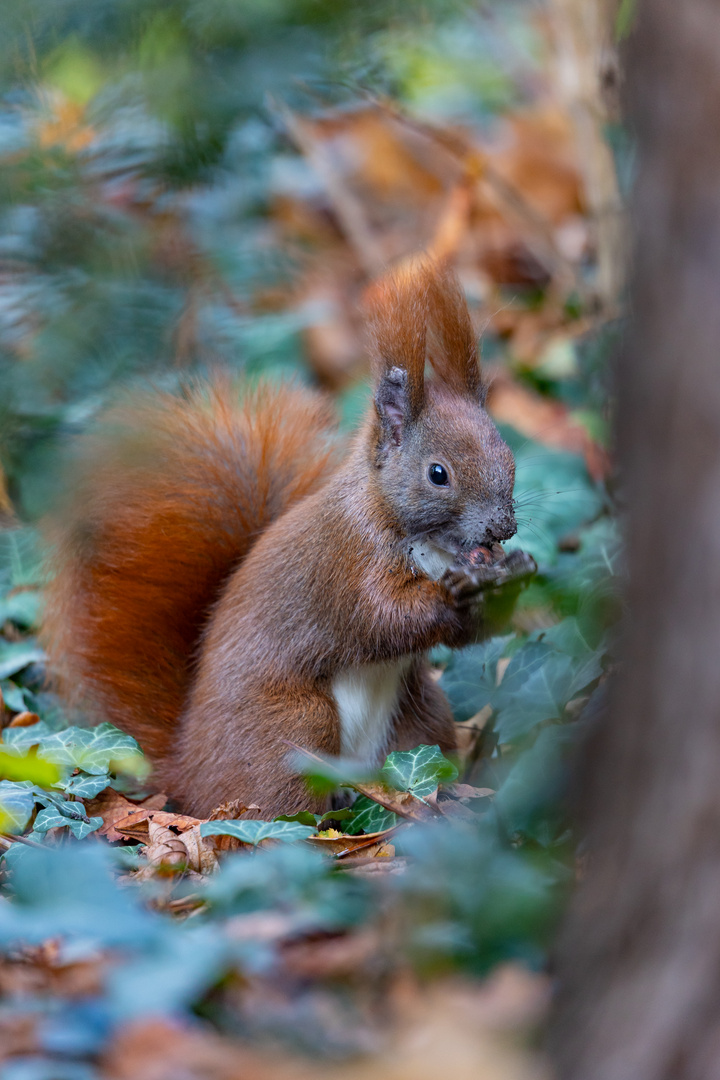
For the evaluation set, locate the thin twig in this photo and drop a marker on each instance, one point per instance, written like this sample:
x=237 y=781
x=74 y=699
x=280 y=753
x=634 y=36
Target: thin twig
x=348 y=209
x=8 y=841
x=511 y=200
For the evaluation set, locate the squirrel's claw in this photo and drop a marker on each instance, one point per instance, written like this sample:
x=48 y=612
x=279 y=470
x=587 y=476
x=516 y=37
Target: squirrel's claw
x=464 y=584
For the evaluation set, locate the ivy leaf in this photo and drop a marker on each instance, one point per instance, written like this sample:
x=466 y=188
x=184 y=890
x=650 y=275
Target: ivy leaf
x=418 y=771
x=537 y=686
x=93 y=750
x=252 y=832
x=52 y=818
x=16 y=698
x=16 y=655
x=21 y=739
x=16 y=806
x=370 y=817
x=86 y=787
x=564 y=498
x=22 y=608
x=546 y=672
x=335 y=815
x=528 y=800
x=470 y=680
x=304 y=817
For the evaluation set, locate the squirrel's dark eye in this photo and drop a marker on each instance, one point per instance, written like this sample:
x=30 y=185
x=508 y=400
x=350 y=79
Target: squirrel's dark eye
x=438 y=475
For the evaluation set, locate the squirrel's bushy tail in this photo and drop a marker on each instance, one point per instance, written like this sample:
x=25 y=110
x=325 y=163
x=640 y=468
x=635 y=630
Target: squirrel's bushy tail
x=168 y=496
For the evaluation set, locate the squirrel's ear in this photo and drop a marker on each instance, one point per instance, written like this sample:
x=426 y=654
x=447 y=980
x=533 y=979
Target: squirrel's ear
x=392 y=402
x=452 y=348
x=397 y=322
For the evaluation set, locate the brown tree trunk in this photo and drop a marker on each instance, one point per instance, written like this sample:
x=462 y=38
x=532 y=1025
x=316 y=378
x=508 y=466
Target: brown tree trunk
x=639 y=963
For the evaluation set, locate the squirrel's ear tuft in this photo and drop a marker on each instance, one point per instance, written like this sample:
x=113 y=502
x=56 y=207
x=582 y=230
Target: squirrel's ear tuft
x=398 y=311
x=452 y=347
x=392 y=403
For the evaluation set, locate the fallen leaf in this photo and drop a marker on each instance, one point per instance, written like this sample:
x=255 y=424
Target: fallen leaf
x=112 y=807
x=344 y=846
x=466 y=791
x=24 y=719
x=547 y=422
x=136 y=823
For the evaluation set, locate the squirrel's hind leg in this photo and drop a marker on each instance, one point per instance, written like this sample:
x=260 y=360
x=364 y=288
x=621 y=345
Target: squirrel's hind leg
x=423 y=714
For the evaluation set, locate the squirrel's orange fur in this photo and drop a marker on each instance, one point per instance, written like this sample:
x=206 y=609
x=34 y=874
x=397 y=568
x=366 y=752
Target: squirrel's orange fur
x=225 y=584
x=168 y=496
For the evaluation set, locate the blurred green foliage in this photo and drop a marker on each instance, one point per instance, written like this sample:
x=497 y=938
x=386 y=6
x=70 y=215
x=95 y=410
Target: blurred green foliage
x=138 y=140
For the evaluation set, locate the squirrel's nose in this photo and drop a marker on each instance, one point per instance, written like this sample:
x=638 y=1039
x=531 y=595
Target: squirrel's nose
x=501 y=526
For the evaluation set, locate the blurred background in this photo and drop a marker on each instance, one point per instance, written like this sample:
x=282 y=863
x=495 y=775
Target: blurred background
x=187 y=184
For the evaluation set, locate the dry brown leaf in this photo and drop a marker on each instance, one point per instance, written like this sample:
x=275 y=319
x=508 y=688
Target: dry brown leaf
x=19 y=1034
x=467 y=791
x=349 y=956
x=24 y=719
x=162 y=1050
x=136 y=823
x=200 y=851
x=165 y=848
x=112 y=807
x=346 y=847
x=42 y=970
x=6 y=511
x=66 y=125
x=233 y=809
x=548 y=422
x=230 y=811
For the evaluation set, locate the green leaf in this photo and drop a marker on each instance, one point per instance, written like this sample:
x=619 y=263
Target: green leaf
x=528 y=799
x=20 y=559
x=16 y=806
x=16 y=698
x=53 y=818
x=252 y=832
x=335 y=815
x=94 y=750
x=538 y=683
x=560 y=496
x=14 y=766
x=567 y=637
x=470 y=680
x=304 y=817
x=21 y=739
x=85 y=787
x=544 y=673
x=370 y=817
x=22 y=608
x=418 y=771
x=16 y=655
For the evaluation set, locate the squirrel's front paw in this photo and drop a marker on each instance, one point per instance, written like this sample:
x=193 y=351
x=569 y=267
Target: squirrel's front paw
x=519 y=564
x=465 y=584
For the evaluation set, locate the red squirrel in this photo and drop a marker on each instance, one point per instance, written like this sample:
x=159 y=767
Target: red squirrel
x=227 y=581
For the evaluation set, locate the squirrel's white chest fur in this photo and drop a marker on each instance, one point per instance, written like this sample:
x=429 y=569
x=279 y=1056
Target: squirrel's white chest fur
x=367 y=698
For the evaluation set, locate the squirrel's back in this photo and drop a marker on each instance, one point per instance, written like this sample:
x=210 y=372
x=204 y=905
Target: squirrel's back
x=169 y=495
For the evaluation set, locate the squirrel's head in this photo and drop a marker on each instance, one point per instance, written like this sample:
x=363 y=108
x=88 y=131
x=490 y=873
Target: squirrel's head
x=444 y=472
